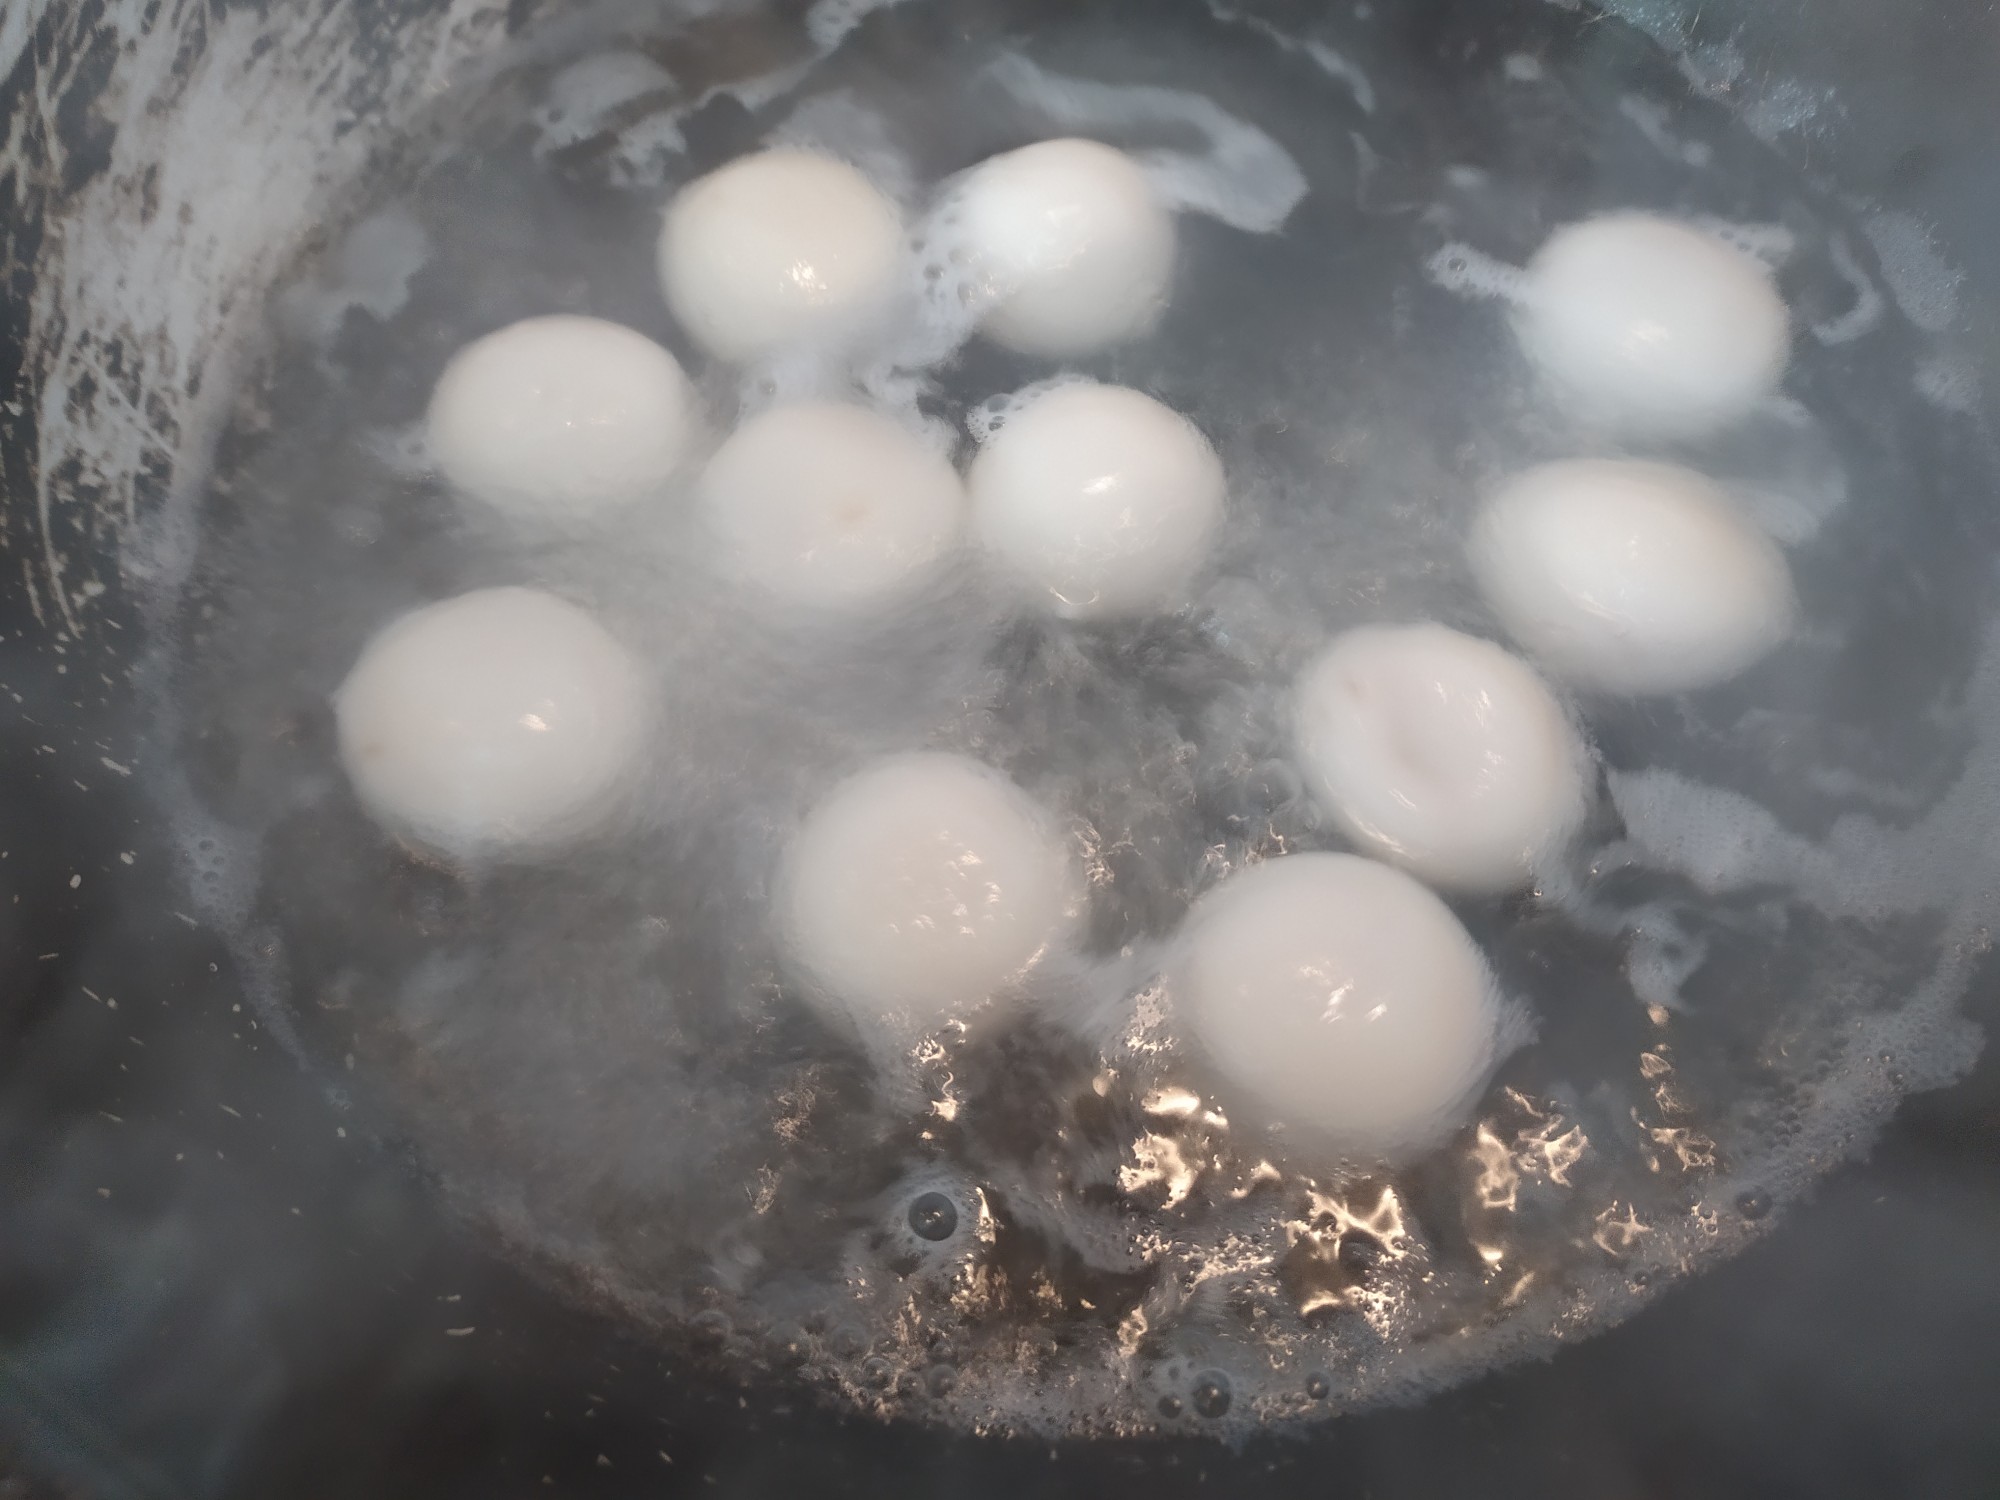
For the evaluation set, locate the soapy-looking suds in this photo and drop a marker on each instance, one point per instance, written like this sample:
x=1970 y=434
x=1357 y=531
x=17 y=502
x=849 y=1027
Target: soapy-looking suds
x=1064 y=1218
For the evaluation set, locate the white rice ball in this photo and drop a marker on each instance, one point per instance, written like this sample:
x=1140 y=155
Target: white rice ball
x=560 y=419
x=1631 y=577
x=777 y=249
x=830 y=507
x=1441 y=753
x=498 y=721
x=1340 y=997
x=1072 y=243
x=1651 y=327
x=1098 y=500
x=920 y=887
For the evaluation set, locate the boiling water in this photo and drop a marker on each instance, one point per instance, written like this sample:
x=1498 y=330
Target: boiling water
x=1059 y=1226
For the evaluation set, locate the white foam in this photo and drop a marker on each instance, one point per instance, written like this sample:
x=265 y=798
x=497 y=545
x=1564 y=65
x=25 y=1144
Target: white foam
x=583 y=99
x=1714 y=68
x=1864 y=314
x=1242 y=177
x=1949 y=379
x=1790 y=517
x=1773 y=244
x=1777 y=106
x=588 y=97
x=1924 y=285
x=1867 y=868
x=368 y=271
x=1650 y=116
x=990 y=415
x=1660 y=957
x=1459 y=268
x=829 y=22
x=1342 y=69
x=647 y=151
x=1719 y=839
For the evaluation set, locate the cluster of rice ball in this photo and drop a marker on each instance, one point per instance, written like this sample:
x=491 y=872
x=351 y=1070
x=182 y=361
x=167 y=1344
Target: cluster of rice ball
x=1335 y=992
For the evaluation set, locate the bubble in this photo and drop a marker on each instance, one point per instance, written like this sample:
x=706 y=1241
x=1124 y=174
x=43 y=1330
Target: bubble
x=1471 y=273
x=1318 y=1386
x=877 y=1372
x=1211 y=1396
x=1753 y=1205
x=941 y=1381
x=1169 y=1407
x=933 y=1217
x=790 y=1344
x=1773 y=244
x=710 y=1327
x=986 y=418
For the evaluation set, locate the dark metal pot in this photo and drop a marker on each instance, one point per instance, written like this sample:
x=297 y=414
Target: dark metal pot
x=207 y=1287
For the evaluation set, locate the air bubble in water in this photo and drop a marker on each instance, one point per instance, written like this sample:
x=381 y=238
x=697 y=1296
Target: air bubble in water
x=1211 y=1395
x=934 y=1217
x=1472 y=273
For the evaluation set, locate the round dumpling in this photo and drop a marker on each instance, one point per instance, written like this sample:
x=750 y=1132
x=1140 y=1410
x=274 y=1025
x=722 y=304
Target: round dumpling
x=777 y=249
x=561 y=418
x=1651 y=327
x=497 y=721
x=920 y=887
x=1072 y=243
x=1442 y=753
x=1631 y=577
x=1341 y=998
x=830 y=507
x=1098 y=499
